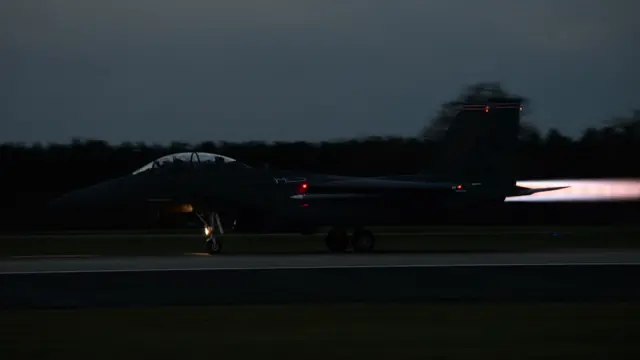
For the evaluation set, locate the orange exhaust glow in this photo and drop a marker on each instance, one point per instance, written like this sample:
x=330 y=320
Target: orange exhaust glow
x=581 y=190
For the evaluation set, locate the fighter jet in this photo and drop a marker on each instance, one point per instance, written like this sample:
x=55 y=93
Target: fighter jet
x=474 y=169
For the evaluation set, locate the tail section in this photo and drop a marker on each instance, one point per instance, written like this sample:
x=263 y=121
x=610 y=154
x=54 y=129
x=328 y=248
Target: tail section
x=480 y=144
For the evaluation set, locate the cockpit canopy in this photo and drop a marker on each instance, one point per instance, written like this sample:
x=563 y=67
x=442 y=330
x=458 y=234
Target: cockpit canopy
x=186 y=158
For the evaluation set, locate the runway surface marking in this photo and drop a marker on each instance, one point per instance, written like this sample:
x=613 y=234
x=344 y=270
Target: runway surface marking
x=328 y=267
x=204 y=254
x=317 y=262
x=61 y=256
x=197 y=234
x=78 y=256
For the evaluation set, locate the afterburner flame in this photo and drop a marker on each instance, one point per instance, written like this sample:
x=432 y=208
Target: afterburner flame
x=582 y=190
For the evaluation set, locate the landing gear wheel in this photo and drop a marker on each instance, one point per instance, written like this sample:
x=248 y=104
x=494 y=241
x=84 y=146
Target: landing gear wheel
x=213 y=246
x=363 y=241
x=337 y=240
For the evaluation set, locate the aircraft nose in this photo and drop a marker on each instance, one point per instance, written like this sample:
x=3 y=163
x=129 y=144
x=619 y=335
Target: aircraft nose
x=78 y=200
x=119 y=194
x=102 y=196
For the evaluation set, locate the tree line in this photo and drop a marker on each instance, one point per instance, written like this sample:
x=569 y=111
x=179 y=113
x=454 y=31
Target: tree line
x=32 y=174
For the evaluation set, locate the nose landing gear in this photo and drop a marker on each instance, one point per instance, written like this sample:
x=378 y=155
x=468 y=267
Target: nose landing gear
x=212 y=244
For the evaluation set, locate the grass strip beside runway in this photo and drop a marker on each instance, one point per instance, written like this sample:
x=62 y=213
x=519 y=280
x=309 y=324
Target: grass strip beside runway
x=457 y=240
x=432 y=331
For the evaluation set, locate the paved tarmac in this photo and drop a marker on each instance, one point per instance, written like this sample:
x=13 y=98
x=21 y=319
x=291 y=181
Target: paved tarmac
x=84 y=264
x=277 y=279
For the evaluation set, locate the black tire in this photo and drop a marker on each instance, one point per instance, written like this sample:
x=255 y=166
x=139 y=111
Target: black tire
x=211 y=249
x=337 y=240
x=363 y=241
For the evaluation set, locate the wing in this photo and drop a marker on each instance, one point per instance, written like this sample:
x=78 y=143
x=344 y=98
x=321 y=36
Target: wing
x=372 y=187
x=382 y=184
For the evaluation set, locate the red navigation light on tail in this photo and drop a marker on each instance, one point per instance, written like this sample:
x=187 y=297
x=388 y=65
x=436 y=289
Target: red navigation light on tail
x=500 y=105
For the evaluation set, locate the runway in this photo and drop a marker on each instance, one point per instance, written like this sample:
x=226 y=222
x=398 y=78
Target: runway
x=277 y=279
x=92 y=264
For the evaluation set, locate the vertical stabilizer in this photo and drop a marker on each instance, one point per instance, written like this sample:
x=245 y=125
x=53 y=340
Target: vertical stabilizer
x=480 y=144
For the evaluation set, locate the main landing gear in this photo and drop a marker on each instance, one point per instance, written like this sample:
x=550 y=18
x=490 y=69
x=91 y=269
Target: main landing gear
x=361 y=240
x=337 y=240
x=211 y=222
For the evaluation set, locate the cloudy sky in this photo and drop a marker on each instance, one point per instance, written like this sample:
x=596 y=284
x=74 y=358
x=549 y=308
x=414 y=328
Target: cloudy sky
x=193 y=70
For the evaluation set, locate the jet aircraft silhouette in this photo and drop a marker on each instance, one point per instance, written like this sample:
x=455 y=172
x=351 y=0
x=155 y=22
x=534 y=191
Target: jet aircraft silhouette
x=474 y=169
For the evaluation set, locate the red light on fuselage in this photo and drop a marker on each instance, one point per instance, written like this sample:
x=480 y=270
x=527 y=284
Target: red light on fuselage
x=486 y=109
x=302 y=188
x=459 y=187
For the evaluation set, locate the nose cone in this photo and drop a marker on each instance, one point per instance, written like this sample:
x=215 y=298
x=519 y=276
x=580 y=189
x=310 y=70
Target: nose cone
x=78 y=200
x=106 y=196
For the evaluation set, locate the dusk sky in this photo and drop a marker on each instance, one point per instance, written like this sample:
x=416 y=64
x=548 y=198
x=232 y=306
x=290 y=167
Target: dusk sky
x=236 y=70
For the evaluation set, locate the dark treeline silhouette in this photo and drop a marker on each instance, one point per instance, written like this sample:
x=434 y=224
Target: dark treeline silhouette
x=32 y=174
